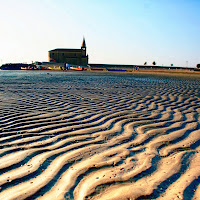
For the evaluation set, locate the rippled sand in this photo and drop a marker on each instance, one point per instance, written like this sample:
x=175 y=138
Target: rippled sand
x=99 y=136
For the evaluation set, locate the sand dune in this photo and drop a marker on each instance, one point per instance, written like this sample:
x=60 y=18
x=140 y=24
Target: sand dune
x=95 y=136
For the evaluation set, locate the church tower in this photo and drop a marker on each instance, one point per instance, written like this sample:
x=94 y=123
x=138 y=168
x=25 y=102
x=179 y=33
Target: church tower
x=83 y=47
x=70 y=56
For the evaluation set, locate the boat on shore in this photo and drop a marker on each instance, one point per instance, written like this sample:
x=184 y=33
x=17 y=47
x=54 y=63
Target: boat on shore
x=29 y=67
x=55 y=68
x=79 y=68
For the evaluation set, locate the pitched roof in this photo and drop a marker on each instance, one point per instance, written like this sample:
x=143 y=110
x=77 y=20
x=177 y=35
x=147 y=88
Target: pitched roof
x=65 y=50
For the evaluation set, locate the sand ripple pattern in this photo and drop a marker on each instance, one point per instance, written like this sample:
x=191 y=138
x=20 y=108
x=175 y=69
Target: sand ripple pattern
x=99 y=136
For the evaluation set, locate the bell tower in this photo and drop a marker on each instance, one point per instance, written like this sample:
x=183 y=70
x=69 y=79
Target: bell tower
x=83 y=47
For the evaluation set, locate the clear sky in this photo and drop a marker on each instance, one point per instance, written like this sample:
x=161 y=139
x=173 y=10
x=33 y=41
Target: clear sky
x=116 y=31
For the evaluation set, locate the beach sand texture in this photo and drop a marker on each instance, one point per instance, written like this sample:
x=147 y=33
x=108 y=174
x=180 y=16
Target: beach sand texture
x=99 y=136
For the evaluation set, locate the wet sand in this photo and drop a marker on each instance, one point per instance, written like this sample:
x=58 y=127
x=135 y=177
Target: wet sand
x=99 y=136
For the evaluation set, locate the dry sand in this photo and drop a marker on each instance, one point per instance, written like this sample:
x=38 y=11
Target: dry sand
x=101 y=138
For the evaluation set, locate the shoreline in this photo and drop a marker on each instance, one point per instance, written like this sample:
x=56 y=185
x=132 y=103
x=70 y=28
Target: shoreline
x=128 y=71
x=154 y=72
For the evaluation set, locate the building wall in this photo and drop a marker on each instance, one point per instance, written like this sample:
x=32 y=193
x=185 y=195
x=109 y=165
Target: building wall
x=69 y=56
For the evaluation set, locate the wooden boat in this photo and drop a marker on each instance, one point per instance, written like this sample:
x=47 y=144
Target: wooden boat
x=77 y=68
x=55 y=68
x=42 y=68
x=29 y=67
x=24 y=68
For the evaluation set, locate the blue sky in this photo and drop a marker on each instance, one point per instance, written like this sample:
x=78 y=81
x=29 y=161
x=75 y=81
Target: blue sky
x=116 y=31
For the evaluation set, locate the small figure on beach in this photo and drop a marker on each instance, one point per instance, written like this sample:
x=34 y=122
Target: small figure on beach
x=67 y=66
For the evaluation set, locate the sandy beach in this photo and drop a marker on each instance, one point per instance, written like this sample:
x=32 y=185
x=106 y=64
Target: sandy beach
x=99 y=136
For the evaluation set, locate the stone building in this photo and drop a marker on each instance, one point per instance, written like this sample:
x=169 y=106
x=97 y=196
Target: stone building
x=70 y=56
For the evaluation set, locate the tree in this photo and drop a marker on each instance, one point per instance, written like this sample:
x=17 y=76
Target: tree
x=153 y=63
x=145 y=63
x=171 y=65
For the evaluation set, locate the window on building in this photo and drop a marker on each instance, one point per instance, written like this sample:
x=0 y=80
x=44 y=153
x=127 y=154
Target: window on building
x=63 y=54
